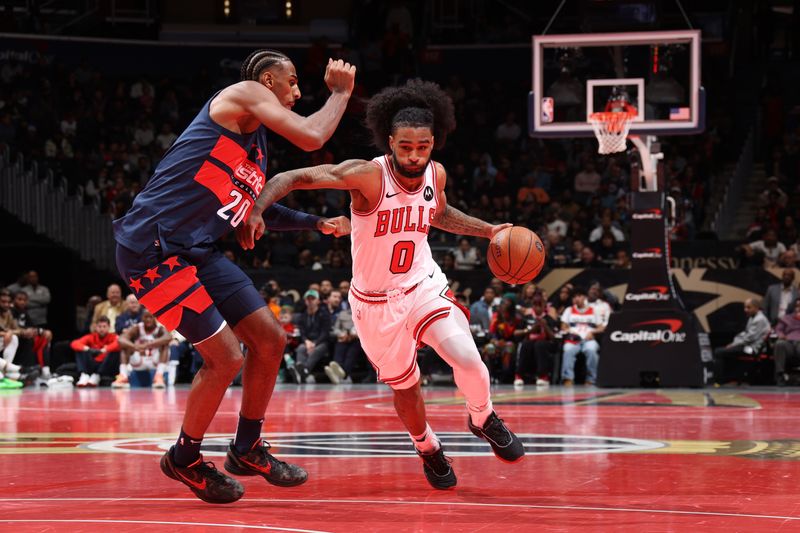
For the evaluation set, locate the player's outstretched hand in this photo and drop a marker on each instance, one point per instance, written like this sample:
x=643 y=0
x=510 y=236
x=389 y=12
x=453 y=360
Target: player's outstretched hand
x=249 y=231
x=340 y=76
x=336 y=226
x=498 y=228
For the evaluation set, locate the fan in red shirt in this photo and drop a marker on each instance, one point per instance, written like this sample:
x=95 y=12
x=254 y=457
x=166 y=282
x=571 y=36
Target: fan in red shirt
x=91 y=353
x=506 y=329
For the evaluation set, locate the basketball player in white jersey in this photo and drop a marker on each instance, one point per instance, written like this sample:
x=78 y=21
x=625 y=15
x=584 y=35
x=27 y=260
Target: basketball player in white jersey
x=145 y=343
x=399 y=296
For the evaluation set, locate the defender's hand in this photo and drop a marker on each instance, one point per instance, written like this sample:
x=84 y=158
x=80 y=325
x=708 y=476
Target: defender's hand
x=340 y=76
x=336 y=226
x=249 y=231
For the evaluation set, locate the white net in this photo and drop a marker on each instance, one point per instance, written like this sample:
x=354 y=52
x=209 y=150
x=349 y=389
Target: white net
x=611 y=129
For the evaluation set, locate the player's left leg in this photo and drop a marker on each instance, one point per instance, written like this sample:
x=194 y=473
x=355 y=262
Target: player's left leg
x=450 y=337
x=245 y=310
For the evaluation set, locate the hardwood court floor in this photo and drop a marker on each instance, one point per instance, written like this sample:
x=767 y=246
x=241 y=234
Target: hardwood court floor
x=598 y=460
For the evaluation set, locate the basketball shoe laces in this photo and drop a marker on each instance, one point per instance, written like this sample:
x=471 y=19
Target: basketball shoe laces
x=261 y=449
x=209 y=471
x=497 y=431
x=438 y=462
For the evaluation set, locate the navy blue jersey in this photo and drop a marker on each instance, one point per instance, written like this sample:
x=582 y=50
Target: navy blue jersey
x=206 y=185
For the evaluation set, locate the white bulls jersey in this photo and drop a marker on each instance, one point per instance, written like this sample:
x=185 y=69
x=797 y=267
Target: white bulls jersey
x=154 y=353
x=390 y=243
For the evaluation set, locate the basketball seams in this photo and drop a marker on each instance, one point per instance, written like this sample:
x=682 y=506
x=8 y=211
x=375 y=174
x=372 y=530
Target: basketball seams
x=525 y=258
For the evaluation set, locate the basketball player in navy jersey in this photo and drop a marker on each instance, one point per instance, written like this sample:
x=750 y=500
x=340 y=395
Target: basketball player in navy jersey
x=204 y=187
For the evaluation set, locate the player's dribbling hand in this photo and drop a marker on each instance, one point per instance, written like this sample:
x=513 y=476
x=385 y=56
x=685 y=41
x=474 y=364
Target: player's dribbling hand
x=249 y=231
x=340 y=76
x=498 y=228
x=336 y=226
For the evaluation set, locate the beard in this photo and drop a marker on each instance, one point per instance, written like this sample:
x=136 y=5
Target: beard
x=406 y=172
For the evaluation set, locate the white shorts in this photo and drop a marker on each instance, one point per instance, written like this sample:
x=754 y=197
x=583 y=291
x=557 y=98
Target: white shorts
x=390 y=326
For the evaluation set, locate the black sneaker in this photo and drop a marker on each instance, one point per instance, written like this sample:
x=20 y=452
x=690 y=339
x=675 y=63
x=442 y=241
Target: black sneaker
x=505 y=445
x=259 y=462
x=438 y=470
x=207 y=483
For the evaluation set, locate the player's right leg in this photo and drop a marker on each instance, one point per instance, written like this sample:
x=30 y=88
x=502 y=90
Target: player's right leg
x=392 y=351
x=171 y=290
x=449 y=335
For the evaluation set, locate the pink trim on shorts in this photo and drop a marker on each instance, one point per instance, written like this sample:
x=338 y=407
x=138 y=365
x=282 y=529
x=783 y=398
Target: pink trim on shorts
x=429 y=319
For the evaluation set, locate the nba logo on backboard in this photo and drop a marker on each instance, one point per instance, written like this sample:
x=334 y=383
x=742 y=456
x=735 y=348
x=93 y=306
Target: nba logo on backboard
x=547 y=110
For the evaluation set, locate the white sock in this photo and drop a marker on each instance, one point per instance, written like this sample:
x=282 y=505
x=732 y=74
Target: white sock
x=160 y=369
x=427 y=442
x=11 y=350
x=123 y=370
x=478 y=418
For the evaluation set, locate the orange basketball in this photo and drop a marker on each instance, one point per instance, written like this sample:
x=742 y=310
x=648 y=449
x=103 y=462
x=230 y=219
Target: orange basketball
x=516 y=255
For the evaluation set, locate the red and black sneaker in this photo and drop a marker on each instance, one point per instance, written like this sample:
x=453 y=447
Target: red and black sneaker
x=207 y=483
x=505 y=445
x=436 y=466
x=259 y=462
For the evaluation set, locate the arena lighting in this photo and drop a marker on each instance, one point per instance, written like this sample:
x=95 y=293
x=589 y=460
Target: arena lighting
x=288 y=9
x=227 y=8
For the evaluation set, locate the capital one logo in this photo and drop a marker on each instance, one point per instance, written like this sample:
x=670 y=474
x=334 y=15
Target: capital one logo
x=648 y=253
x=655 y=293
x=648 y=214
x=668 y=332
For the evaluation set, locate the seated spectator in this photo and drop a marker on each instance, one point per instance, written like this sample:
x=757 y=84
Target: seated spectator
x=96 y=353
x=9 y=342
x=788 y=259
x=580 y=322
x=35 y=339
x=38 y=298
x=347 y=350
x=110 y=308
x=144 y=345
x=788 y=346
x=747 y=342
x=769 y=248
x=773 y=187
x=84 y=314
x=333 y=303
x=587 y=259
x=467 y=256
x=131 y=316
x=448 y=261
x=780 y=296
x=538 y=343
x=595 y=300
x=558 y=253
x=623 y=260
x=344 y=288
x=606 y=249
x=481 y=311
x=315 y=327
x=562 y=299
x=587 y=182
x=606 y=226
x=505 y=330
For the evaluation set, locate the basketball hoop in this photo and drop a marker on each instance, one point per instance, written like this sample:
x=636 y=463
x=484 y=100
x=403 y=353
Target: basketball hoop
x=611 y=129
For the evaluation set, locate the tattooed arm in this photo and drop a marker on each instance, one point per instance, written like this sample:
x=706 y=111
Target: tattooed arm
x=454 y=221
x=354 y=175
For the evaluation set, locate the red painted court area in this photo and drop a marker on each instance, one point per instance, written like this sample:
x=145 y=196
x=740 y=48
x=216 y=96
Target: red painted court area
x=598 y=460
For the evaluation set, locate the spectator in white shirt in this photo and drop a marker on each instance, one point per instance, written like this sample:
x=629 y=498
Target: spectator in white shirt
x=769 y=246
x=466 y=255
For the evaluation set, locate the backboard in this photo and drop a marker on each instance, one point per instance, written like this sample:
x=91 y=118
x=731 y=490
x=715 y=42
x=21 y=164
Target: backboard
x=658 y=72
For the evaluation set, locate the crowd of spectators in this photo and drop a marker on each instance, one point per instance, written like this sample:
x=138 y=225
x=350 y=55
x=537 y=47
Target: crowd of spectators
x=106 y=134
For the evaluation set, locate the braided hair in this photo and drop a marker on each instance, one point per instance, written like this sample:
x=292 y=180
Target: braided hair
x=258 y=61
x=417 y=104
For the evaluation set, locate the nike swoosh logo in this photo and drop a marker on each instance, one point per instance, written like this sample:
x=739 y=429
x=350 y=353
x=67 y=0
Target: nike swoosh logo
x=198 y=486
x=390 y=195
x=264 y=469
x=431 y=274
